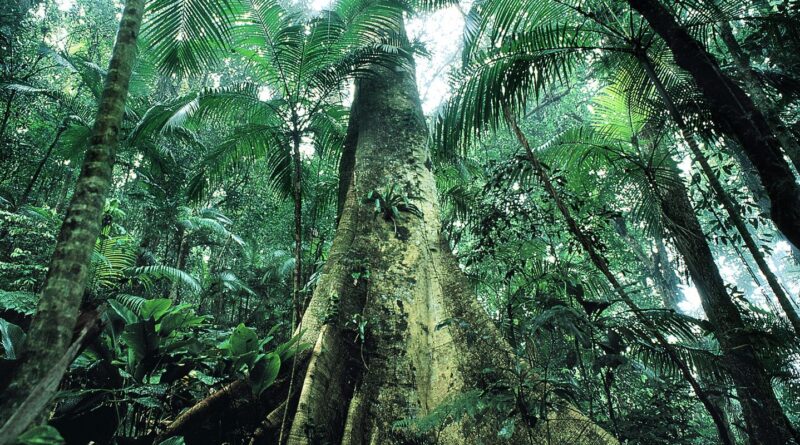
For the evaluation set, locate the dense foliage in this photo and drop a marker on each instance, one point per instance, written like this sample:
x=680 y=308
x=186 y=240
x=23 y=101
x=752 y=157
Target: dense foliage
x=606 y=211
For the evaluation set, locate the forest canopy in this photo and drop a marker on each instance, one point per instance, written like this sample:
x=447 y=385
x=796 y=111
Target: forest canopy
x=399 y=222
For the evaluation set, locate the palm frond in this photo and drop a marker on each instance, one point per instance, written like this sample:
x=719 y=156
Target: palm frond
x=187 y=36
x=149 y=274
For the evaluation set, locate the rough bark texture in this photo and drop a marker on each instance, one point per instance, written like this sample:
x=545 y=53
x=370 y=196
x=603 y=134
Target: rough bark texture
x=393 y=275
x=766 y=422
x=51 y=328
x=735 y=112
x=43 y=391
x=297 y=195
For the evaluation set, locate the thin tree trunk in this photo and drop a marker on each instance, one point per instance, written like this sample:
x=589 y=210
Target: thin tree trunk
x=664 y=268
x=297 y=194
x=608 y=382
x=751 y=179
x=51 y=328
x=23 y=199
x=735 y=112
x=722 y=195
x=650 y=265
x=66 y=178
x=767 y=424
x=6 y=115
x=183 y=245
x=599 y=261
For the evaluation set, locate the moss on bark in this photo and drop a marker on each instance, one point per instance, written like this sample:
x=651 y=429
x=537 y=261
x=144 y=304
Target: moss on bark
x=382 y=354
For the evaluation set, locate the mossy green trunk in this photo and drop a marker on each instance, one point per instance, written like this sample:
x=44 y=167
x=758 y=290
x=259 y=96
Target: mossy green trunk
x=382 y=348
x=51 y=330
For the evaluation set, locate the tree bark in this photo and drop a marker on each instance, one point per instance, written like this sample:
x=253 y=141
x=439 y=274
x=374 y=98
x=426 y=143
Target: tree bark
x=40 y=394
x=766 y=422
x=665 y=269
x=51 y=328
x=395 y=273
x=297 y=194
x=735 y=112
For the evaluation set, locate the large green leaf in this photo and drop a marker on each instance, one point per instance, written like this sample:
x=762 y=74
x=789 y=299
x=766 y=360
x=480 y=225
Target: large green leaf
x=155 y=308
x=40 y=435
x=264 y=372
x=123 y=312
x=187 y=36
x=243 y=340
x=181 y=318
x=141 y=339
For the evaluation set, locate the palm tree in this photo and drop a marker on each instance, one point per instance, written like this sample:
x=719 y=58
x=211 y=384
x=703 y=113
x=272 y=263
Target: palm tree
x=50 y=334
x=300 y=65
x=522 y=57
x=387 y=237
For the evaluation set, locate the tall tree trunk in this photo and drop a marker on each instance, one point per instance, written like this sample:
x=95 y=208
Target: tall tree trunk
x=50 y=333
x=23 y=199
x=730 y=208
x=753 y=184
x=410 y=359
x=764 y=416
x=6 y=115
x=734 y=111
x=600 y=262
x=665 y=269
x=66 y=181
x=182 y=248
